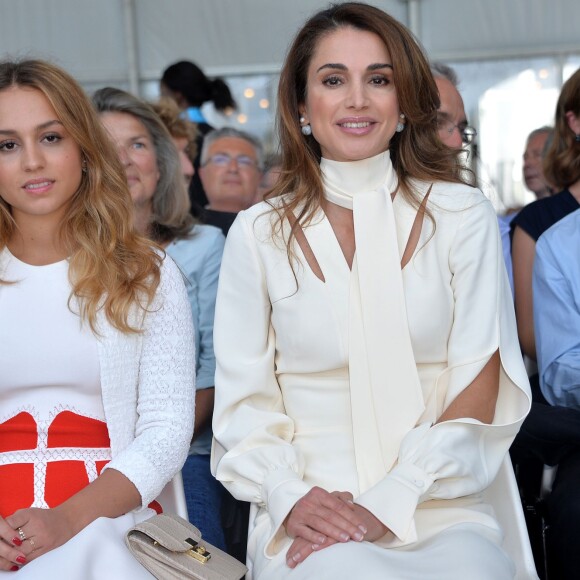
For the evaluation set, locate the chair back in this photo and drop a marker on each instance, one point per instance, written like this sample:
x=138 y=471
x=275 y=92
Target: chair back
x=504 y=496
x=172 y=497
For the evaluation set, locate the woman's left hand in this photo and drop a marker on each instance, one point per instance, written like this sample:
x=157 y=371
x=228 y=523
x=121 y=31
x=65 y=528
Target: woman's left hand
x=44 y=529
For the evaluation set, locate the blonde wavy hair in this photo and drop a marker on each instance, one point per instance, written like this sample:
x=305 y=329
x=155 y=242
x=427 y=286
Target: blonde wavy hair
x=111 y=267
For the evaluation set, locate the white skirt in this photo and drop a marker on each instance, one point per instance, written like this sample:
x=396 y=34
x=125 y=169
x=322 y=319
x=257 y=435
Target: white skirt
x=96 y=553
x=461 y=552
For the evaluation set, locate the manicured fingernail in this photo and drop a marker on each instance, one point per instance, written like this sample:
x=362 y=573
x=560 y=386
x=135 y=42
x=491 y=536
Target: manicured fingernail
x=321 y=539
x=21 y=559
x=14 y=569
x=296 y=557
x=358 y=537
x=315 y=546
x=362 y=529
x=344 y=537
x=17 y=541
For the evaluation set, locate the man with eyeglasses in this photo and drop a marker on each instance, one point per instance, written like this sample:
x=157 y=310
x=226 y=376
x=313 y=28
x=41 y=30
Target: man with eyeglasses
x=456 y=133
x=230 y=171
x=454 y=130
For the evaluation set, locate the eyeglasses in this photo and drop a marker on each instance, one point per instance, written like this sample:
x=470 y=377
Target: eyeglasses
x=223 y=160
x=467 y=132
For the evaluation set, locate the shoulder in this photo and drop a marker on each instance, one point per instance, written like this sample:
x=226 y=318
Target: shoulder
x=563 y=236
x=170 y=274
x=455 y=201
x=538 y=216
x=201 y=240
x=205 y=231
x=259 y=219
x=205 y=235
x=456 y=196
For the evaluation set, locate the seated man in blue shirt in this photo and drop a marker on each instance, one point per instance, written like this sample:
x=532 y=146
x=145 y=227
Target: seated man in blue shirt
x=556 y=286
x=556 y=427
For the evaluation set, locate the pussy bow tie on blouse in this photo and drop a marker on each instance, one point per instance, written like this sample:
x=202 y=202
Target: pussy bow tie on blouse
x=386 y=396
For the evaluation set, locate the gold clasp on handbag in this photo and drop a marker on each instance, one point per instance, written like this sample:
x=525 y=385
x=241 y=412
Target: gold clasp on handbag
x=198 y=552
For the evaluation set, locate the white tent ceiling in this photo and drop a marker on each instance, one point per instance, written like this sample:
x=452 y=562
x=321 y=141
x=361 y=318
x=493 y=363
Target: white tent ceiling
x=130 y=41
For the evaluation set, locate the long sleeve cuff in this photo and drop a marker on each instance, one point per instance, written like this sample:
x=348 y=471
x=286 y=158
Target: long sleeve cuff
x=281 y=489
x=394 y=499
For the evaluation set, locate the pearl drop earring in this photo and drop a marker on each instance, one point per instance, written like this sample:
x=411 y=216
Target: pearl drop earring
x=400 y=124
x=306 y=128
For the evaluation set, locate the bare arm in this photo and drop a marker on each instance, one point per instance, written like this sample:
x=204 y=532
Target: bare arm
x=479 y=398
x=523 y=252
x=110 y=495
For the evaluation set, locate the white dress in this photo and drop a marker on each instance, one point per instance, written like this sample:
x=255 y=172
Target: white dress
x=283 y=419
x=53 y=431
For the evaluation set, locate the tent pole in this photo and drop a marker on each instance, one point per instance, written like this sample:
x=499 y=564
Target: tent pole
x=414 y=17
x=131 y=46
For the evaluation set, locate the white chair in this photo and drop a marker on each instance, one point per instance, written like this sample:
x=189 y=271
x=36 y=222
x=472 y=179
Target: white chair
x=172 y=497
x=504 y=496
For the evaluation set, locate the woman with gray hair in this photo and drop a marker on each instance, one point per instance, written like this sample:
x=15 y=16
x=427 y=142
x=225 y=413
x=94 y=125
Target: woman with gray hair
x=159 y=194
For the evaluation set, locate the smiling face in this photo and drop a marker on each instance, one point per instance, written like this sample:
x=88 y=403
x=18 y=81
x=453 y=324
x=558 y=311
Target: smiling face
x=40 y=163
x=351 y=102
x=230 y=174
x=137 y=153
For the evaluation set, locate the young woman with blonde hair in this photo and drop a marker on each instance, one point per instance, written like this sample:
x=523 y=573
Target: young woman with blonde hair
x=96 y=341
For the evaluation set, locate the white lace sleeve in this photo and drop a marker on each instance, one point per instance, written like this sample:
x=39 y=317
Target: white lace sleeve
x=165 y=390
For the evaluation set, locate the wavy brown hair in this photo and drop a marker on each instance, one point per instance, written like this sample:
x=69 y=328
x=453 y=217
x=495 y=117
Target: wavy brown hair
x=111 y=267
x=416 y=152
x=562 y=160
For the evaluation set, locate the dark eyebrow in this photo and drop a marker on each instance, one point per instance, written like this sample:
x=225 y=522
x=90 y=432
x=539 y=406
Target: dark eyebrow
x=40 y=127
x=338 y=66
x=378 y=66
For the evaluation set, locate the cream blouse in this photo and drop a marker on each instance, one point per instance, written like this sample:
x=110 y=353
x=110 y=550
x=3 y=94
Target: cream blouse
x=283 y=419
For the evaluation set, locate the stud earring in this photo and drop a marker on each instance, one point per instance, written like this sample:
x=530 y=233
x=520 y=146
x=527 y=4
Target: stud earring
x=400 y=124
x=577 y=138
x=306 y=128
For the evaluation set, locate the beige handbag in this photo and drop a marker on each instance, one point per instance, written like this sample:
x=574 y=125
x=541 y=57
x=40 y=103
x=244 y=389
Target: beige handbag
x=171 y=548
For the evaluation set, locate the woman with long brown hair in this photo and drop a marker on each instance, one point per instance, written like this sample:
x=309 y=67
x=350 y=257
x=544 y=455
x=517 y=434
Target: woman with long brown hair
x=562 y=172
x=96 y=341
x=368 y=380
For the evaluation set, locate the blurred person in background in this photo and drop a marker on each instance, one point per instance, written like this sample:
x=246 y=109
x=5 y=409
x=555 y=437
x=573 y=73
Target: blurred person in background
x=545 y=260
x=190 y=88
x=562 y=172
x=556 y=285
x=231 y=169
x=155 y=178
x=270 y=176
x=453 y=128
x=533 y=160
x=183 y=133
